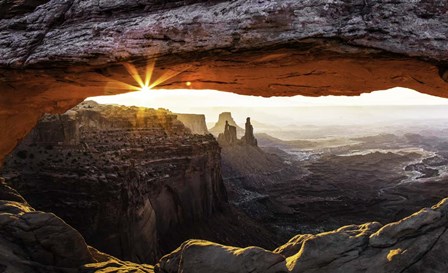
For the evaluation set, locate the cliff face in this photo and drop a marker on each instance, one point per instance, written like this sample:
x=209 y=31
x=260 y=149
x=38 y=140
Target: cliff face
x=123 y=176
x=196 y=123
x=34 y=241
x=68 y=50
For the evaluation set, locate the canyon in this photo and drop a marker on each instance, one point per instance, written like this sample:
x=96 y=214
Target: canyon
x=135 y=182
x=57 y=53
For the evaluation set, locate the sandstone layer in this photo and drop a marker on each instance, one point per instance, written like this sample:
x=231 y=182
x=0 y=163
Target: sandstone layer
x=56 y=53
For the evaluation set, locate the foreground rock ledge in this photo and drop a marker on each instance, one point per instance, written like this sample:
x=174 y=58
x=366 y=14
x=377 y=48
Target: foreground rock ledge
x=415 y=244
x=32 y=241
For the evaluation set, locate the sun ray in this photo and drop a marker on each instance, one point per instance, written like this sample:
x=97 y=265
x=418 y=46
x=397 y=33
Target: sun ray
x=132 y=70
x=114 y=86
x=145 y=85
x=166 y=76
x=149 y=71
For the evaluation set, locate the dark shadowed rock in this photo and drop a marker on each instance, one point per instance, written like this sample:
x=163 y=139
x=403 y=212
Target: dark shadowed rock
x=405 y=246
x=195 y=256
x=127 y=178
x=56 y=53
x=228 y=136
x=249 y=138
x=34 y=242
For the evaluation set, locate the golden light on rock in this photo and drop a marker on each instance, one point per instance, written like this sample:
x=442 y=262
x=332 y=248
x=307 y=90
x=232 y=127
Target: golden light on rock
x=394 y=252
x=188 y=83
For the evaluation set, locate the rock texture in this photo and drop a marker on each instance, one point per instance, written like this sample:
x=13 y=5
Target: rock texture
x=57 y=53
x=33 y=241
x=414 y=244
x=196 y=123
x=127 y=178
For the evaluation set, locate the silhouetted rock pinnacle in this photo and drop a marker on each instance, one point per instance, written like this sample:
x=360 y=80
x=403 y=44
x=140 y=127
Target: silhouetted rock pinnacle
x=249 y=138
x=229 y=136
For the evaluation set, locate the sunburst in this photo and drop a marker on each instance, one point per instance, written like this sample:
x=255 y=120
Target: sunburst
x=144 y=83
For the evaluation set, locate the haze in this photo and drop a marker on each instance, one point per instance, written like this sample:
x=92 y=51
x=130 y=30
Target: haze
x=283 y=111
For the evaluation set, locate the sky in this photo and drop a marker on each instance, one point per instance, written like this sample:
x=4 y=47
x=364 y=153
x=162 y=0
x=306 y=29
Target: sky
x=280 y=110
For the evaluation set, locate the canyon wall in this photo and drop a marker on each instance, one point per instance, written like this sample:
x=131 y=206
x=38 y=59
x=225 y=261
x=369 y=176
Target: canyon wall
x=33 y=241
x=127 y=178
x=195 y=122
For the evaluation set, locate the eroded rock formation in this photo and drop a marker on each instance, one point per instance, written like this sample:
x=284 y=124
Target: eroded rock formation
x=414 y=244
x=196 y=123
x=225 y=119
x=229 y=134
x=249 y=138
x=127 y=178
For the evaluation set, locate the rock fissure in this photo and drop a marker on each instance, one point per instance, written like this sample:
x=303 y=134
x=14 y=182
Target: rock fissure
x=425 y=253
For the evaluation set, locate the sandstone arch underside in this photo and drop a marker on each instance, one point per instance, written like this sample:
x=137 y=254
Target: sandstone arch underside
x=56 y=53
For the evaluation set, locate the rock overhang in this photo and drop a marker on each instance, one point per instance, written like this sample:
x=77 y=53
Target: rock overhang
x=57 y=53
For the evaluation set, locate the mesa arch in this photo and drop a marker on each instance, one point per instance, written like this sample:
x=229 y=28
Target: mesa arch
x=56 y=53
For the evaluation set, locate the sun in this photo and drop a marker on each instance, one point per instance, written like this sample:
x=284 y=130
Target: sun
x=145 y=88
